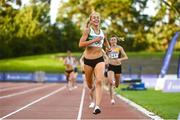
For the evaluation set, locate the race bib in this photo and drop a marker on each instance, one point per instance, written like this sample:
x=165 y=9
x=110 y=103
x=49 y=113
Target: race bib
x=113 y=55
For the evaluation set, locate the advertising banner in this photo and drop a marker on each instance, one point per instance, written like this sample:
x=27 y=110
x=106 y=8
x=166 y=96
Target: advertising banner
x=168 y=55
x=1 y=77
x=19 y=76
x=171 y=86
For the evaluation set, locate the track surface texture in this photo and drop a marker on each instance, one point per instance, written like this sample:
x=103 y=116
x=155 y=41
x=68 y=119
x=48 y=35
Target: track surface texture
x=54 y=101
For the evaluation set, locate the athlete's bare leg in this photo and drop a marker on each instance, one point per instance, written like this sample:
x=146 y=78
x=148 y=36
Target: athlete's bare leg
x=117 y=80
x=89 y=80
x=99 y=76
x=111 y=79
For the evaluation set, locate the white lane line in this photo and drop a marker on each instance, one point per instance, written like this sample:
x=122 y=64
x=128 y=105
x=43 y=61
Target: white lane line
x=81 y=105
x=12 y=88
x=152 y=115
x=36 y=101
x=27 y=91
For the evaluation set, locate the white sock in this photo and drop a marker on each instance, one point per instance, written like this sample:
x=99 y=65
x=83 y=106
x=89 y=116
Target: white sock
x=97 y=107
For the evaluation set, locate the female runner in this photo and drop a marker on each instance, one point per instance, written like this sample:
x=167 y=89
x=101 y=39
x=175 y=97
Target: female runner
x=93 y=40
x=116 y=56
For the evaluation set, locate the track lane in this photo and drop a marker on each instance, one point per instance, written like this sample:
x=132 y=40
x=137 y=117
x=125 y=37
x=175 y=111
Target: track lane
x=65 y=105
x=7 y=85
x=62 y=105
x=11 y=104
x=18 y=89
x=13 y=88
x=24 y=91
x=120 y=110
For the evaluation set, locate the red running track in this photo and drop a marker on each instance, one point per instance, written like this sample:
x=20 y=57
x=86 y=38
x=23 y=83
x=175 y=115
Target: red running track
x=55 y=101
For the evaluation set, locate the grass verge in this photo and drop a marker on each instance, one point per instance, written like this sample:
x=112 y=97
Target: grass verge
x=166 y=105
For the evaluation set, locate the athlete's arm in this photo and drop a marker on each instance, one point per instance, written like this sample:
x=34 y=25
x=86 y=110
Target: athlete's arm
x=106 y=43
x=124 y=56
x=65 y=62
x=82 y=62
x=81 y=59
x=105 y=56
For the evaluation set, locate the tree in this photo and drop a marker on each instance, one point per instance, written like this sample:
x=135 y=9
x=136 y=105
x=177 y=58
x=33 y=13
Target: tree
x=25 y=31
x=7 y=28
x=125 y=18
x=167 y=22
x=70 y=34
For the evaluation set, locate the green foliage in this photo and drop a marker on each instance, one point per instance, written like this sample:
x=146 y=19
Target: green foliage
x=27 y=30
x=164 y=29
x=71 y=35
x=7 y=28
x=125 y=18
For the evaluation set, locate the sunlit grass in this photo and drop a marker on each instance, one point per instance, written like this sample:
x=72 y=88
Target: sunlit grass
x=166 y=105
x=54 y=62
x=154 y=54
x=48 y=63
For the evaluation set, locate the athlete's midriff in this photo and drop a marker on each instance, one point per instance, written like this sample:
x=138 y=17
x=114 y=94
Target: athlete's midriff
x=114 y=62
x=93 y=52
x=69 y=67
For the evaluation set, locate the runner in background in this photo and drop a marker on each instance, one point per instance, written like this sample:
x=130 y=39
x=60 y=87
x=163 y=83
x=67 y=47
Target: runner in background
x=69 y=70
x=75 y=72
x=81 y=61
x=116 y=56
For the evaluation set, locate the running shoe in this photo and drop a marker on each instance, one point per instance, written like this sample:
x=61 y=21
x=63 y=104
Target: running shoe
x=92 y=105
x=112 y=101
x=96 y=110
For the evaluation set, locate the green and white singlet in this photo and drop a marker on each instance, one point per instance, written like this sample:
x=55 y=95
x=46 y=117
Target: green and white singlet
x=93 y=35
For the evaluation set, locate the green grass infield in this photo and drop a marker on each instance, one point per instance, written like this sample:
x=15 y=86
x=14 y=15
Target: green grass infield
x=166 y=105
x=54 y=62
x=48 y=63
